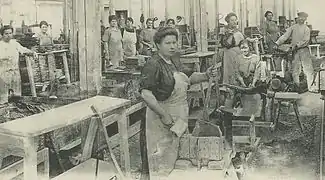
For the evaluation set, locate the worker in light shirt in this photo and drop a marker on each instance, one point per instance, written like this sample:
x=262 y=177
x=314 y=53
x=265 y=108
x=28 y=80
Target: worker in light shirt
x=302 y=62
x=9 y=64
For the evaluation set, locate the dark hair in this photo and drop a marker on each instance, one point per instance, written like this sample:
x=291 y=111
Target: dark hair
x=170 y=20
x=244 y=41
x=111 y=18
x=163 y=32
x=267 y=13
x=130 y=19
x=43 y=23
x=149 y=19
x=6 y=27
x=227 y=18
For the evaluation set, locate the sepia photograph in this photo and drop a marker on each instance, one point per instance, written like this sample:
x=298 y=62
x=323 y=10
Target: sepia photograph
x=162 y=89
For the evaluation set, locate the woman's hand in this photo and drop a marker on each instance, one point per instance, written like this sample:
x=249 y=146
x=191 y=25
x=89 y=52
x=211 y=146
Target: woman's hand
x=167 y=119
x=212 y=71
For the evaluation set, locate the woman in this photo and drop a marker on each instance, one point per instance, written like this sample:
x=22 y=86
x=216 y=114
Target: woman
x=163 y=87
x=129 y=38
x=9 y=62
x=230 y=39
x=113 y=42
x=271 y=31
x=45 y=39
x=171 y=23
x=246 y=66
x=146 y=38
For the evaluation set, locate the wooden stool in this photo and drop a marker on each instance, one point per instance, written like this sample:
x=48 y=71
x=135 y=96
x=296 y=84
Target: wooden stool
x=317 y=46
x=291 y=98
x=86 y=171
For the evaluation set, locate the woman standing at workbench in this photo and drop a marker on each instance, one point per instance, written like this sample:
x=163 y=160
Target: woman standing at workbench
x=44 y=38
x=9 y=64
x=146 y=38
x=230 y=39
x=163 y=87
x=129 y=38
x=113 y=42
x=270 y=31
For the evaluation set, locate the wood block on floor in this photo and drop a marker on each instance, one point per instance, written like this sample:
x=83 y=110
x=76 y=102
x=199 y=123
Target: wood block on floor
x=210 y=148
x=216 y=165
x=193 y=147
x=183 y=164
x=86 y=171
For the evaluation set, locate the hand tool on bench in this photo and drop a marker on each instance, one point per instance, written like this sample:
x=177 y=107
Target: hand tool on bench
x=100 y=123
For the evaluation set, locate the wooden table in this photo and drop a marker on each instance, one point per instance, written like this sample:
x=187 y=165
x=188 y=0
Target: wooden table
x=27 y=129
x=199 y=60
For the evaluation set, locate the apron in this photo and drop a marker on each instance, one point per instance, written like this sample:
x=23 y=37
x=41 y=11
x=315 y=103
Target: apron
x=9 y=79
x=115 y=47
x=162 y=144
x=129 y=41
x=230 y=57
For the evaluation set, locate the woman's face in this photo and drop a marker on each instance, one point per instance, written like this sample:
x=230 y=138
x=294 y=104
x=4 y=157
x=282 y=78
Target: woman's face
x=171 y=24
x=113 y=23
x=244 y=49
x=129 y=23
x=149 y=24
x=44 y=28
x=168 y=46
x=269 y=16
x=232 y=21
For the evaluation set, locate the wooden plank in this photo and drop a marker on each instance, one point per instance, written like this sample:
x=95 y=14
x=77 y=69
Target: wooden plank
x=16 y=168
x=66 y=67
x=199 y=54
x=237 y=123
x=30 y=75
x=124 y=143
x=184 y=147
x=30 y=158
x=90 y=139
x=193 y=147
x=86 y=170
x=82 y=44
x=61 y=116
x=51 y=64
x=252 y=133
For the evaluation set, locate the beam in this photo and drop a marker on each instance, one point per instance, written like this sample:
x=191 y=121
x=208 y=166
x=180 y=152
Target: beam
x=262 y=12
x=66 y=17
x=201 y=28
x=283 y=8
x=290 y=12
x=275 y=10
x=166 y=10
x=130 y=9
x=150 y=6
x=111 y=7
x=89 y=46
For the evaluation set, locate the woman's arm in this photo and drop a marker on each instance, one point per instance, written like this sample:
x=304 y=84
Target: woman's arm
x=198 y=77
x=153 y=104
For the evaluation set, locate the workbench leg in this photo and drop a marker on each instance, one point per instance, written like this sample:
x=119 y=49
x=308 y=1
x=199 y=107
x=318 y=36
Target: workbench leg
x=46 y=174
x=66 y=67
x=30 y=158
x=295 y=107
x=124 y=143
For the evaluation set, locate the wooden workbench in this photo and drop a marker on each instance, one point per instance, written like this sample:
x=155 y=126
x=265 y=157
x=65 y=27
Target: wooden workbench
x=199 y=60
x=25 y=130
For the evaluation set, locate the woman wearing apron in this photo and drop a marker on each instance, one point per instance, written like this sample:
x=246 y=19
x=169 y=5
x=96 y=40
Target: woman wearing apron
x=9 y=64
x=271 y=32
x=146 y=38
x=45 y=39
x=113 y=42
x=164 y=87
x=129 y=38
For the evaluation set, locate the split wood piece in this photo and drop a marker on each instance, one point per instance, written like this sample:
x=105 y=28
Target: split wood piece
x=30 y=75
x=252 y=132
x=101 y=126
